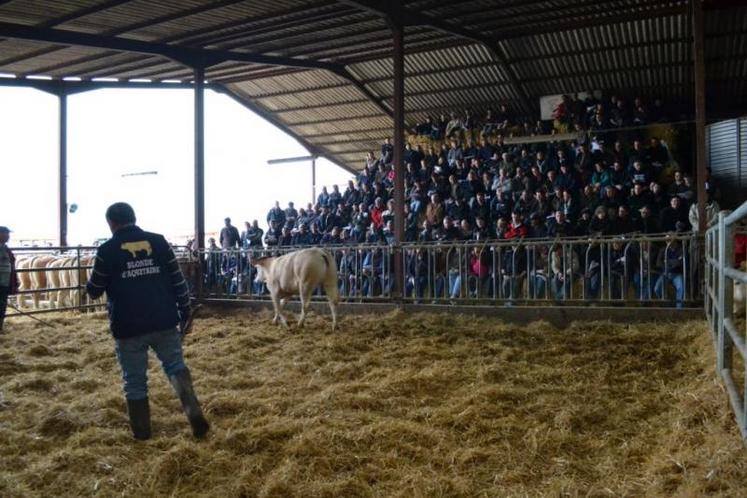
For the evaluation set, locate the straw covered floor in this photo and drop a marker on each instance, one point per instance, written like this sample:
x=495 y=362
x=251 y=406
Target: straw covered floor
x=404 y=405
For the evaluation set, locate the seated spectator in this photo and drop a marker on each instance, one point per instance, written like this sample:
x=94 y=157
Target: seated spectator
x=589 y=198
x=560 y=226
x=302 y=237
x=619 y=178
x=639 y=197
x=624 y=224
x=672 y=214
x=435 y=211
x=659 y=198
x=351 y=196
x=658 y=155
x=455 y=154
x=315 y=237
x=377 y=213
x=332 y=237
x=286 y=239
x=465 y=230
x=454 y=126
x=272 y=237
x=291 y=214
x=600 y=178
x=323 y=198
x=517 y=229
x=647 y=224
x=638 y=173
x=335 y=197
x=568 y=205
x=479 y=207
x=387 y=151
x=537 y=228
x=600 y=224
x=584 y=221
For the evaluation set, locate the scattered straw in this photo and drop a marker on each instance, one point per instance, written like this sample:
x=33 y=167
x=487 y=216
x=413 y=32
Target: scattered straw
x=397 y=405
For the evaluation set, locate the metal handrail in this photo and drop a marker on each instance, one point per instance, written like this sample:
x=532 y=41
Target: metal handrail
x=76 y=291
x=720 y=280
x=518 y=270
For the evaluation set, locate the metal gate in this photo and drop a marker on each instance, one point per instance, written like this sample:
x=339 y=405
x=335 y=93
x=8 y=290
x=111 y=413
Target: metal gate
x=721 y=279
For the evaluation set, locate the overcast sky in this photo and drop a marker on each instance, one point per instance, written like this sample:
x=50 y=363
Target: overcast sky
x=114 y=132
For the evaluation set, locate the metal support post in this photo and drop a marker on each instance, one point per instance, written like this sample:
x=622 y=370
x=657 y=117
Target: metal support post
x=696 y=7
x=62 y=173
x=199 y=145
x=399 y=148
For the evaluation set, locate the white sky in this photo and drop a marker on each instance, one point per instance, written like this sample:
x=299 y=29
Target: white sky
x=115 y=131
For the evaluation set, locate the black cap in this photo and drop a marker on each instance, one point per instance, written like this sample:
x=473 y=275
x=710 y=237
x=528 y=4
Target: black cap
x=4 y=229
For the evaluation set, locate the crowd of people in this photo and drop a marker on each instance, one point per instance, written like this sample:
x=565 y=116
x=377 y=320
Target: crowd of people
x=572 y=113
x=491 y=190
x=488 y=190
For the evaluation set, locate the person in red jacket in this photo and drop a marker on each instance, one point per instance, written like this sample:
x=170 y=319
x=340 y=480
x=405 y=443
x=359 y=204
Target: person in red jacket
x=8 y=277
x=377 y=213
x=517 y=229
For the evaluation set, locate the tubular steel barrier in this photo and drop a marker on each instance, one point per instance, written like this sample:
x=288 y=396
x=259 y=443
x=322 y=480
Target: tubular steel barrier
x=658 y=270
x=54 y=278
x=726 y=315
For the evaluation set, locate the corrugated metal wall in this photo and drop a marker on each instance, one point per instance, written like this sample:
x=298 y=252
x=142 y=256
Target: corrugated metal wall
x=726 y=145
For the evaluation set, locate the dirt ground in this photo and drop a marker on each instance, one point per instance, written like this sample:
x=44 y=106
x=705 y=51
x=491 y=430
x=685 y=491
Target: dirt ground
x=417 y=405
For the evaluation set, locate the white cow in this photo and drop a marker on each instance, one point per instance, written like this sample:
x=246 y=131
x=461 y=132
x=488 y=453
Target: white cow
x=299 y=273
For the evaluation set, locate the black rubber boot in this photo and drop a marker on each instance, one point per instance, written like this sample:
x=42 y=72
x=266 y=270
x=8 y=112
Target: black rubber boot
x=139 y=411
x=182 y=383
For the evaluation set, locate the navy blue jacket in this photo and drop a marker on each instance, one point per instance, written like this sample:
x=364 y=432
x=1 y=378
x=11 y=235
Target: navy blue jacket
x=143 y=283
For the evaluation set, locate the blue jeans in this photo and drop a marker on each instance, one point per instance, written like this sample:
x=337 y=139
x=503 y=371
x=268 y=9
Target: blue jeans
x=677 y=282
x=132 y=354
x=455 y=283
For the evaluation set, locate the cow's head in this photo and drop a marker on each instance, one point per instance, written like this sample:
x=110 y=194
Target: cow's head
x=263 y=267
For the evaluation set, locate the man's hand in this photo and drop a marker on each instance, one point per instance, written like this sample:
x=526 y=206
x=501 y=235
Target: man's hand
x=185 y=320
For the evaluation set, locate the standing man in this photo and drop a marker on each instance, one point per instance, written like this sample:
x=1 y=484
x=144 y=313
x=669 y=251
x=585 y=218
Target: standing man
x=147 y=299
x=229 y=236
x=8 y=277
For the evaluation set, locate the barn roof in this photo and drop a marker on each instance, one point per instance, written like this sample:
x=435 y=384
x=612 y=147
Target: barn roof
x=322 y=69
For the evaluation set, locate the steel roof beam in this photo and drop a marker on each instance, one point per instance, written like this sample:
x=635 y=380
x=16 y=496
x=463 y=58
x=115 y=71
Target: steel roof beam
x=416 y=19
x=181 y=37
x=70 y=87
x=184 y=55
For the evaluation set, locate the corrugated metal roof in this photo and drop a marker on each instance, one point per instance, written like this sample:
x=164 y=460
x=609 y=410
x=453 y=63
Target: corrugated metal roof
x=507 y=49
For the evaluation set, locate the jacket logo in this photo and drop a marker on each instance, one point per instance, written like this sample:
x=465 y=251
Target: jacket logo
x=135 y=247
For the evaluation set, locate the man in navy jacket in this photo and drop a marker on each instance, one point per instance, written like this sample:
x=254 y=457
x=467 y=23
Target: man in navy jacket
x=147 y=299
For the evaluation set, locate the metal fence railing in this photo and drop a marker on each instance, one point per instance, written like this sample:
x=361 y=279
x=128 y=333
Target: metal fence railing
x=721 y=281
x=660 y=270
x=54 y=278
